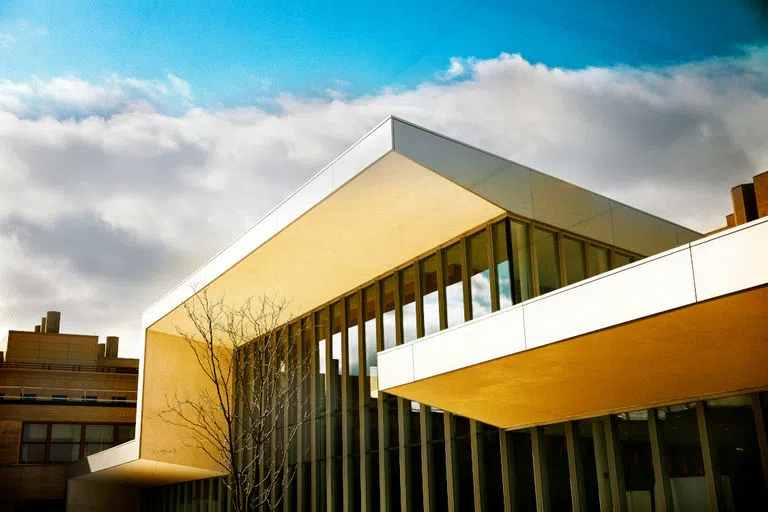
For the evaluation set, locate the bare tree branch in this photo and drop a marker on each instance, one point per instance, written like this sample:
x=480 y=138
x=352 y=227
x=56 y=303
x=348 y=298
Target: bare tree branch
x=247 y=416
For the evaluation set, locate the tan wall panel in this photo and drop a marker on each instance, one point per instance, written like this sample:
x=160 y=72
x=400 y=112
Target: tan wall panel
x=10 y=441
x=32 y=347
x=68 y=413
x=171 y=372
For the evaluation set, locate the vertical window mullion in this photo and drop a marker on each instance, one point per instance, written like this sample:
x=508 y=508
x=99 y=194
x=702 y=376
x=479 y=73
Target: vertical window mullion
x=346 y=438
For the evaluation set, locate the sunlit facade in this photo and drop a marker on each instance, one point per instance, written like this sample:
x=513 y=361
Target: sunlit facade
x=480 y=337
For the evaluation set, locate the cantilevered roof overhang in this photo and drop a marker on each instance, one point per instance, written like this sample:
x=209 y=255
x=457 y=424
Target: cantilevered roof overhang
x=686 y=324
x=398 y=192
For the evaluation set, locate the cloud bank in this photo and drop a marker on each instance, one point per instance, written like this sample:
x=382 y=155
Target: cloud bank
x=112 y=192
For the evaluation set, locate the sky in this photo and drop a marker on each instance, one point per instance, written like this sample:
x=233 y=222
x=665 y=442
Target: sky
x=138 y=138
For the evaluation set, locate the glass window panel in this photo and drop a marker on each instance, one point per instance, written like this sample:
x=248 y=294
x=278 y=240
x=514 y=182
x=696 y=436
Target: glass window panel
x=599 y=259
x=125 y=433
x=575 y=263
x=556 y=453
x=34 y=452
x=336 y=338
x=547 y=260
x=454 y=292
x=353 y=355
x=65 y=432
x=408 y=301
x=521 y=261
x=685 y=461
x=64 y=452
x=369 y=317
x=353 y=345
x=479 y=274
x=388 y=311
x=91 y=448
x=501 y=260
x=429 y=295
x=734 y=435
x=321 y=324
x=635 y=442
x=35 y=432
x=99 y=433
x=620 y=259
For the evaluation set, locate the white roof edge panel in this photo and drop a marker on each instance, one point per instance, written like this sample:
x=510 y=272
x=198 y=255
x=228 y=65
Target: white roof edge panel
x=517 y=188
x=367 y=150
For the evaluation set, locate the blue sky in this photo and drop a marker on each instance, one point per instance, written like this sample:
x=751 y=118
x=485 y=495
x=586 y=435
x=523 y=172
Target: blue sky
x=124 y=166
x=233 y=53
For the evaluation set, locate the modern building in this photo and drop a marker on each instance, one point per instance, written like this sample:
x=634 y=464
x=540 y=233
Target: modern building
x=62 y=397
x=483 y=337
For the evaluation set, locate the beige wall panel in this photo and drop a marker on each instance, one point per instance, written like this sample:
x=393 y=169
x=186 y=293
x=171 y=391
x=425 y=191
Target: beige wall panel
x=31 y=347
x=571 y=208
x=10 y=439
x=640 y=232
x=68 y=413
x=171 y=371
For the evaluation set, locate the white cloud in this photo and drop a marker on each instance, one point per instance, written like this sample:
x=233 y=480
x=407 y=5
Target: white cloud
x=457 y=68
x=110 y=194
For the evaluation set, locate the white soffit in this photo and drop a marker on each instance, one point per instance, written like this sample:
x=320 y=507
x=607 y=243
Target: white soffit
x=393 y=212
x=372 y=146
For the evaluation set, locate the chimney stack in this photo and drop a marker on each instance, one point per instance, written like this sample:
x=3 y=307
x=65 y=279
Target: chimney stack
x=37 y=328
x=100 y=353
x=53 y=319
x=42 y=325
x=2 y=357
x=112 y=343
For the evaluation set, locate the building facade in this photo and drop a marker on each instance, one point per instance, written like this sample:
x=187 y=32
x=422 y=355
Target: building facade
x=481 y=336
x=62 y=397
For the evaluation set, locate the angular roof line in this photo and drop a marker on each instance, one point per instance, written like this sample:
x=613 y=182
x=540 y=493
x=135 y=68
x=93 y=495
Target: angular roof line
x=522 y=190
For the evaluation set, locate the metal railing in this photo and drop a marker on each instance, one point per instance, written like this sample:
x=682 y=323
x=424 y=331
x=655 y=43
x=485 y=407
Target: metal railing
x=69 y=367
x=67 y=395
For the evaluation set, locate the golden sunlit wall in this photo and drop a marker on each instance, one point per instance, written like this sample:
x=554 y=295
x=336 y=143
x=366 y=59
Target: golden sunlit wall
x=171 y=372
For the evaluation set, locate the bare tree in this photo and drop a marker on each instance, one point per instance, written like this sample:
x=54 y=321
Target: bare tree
x=248 y=414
